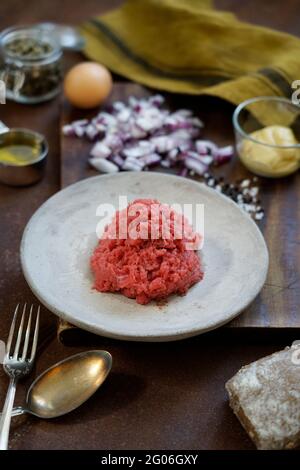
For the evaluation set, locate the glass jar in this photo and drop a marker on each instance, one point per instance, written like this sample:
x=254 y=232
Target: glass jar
x=30 y=64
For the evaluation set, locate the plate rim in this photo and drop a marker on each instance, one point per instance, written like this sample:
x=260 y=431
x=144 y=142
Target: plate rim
x=180 y=333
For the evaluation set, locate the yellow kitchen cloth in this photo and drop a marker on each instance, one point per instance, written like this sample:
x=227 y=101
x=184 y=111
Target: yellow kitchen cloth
x=187 y=46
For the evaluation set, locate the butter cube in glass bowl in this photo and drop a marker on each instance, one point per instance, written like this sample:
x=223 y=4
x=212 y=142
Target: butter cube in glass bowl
x=267 y=133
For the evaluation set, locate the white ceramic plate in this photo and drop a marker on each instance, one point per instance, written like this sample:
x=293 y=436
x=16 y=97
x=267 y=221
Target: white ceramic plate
x=61 y=235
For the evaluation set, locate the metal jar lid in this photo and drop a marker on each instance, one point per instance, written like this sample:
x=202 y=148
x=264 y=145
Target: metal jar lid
x=67 y=36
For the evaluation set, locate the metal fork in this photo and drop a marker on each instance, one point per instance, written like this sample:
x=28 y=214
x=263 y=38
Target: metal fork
x=17 y=364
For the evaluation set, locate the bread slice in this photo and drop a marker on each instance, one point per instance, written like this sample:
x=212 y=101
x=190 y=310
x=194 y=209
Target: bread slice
x=265 y=396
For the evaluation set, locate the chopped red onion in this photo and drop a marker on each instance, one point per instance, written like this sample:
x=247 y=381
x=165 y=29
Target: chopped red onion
x=173 y=154
x=151 y=159
x=132 y=165
x=156 y=100
x=137 y=132
x=224 y=155
x=99 y=127
x=68 y=130
x=163 y=143
x=79 y=131
x=206 y=159
x=195 y=165
x=205 y=146
x=100 y=150
x=113 y=141
x=101 y=164
x=124 y=115
x=92 y=132
x=196 y=122
x=140 y=149
x=141 y=133
x=225 y=151
x=151 y=120
x=117 y=160
x=166 y=164
x=184 y=113
x=81 y=123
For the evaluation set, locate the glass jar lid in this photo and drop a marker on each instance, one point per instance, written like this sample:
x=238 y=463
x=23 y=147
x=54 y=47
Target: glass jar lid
x=29 y=44
x=67 y=36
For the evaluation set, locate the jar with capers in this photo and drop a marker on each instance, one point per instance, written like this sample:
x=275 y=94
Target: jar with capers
x=30 y=64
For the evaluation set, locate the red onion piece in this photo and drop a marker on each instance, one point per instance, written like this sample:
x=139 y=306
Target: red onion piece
x=224 y=155
x=151 y=159
x=206 y=159
x=203 y=146
x=166 y=164
x=117 y=160
x=225 y=151
x=68 y=130
x=92 y=132
x=101 y=164
x=173 y=154
x=81 y=123
x=79 y=131
x=195 y=165
x=100 y=150
x=133 y=165
x=141 y=148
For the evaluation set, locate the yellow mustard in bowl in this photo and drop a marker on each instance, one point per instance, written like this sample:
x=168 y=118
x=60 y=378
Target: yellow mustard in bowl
x=23 y=156
x=272 y=152
x=18 y=154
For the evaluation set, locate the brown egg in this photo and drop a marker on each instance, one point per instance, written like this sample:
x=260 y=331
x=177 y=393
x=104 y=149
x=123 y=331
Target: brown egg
x=87 y=84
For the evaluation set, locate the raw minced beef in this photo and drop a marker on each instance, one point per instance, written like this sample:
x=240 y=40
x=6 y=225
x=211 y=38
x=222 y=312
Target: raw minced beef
x=143 y=256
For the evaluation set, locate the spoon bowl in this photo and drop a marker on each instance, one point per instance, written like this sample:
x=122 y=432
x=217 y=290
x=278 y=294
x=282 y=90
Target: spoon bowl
x=67 y=385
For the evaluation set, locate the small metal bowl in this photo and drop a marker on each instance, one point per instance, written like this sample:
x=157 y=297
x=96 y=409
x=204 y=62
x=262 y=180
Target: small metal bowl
x=23 y=175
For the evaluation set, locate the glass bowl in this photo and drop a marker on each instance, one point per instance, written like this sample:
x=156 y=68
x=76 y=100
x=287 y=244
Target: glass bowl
x=273 y=160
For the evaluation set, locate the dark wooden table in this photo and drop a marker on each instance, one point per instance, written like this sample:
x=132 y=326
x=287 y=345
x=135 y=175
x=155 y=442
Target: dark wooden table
x=159 y=396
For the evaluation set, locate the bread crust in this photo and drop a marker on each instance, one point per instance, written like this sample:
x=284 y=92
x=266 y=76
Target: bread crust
x=265 y=397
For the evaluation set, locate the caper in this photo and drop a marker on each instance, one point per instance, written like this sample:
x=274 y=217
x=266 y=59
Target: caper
x=28 y=47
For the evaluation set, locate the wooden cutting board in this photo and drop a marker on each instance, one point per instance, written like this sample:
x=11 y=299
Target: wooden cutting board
x=277 y=306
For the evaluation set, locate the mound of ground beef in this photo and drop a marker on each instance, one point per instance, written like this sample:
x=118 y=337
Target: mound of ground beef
x=147 y=252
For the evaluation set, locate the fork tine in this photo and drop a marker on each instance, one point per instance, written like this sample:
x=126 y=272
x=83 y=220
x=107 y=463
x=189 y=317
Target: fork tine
x=20 y=332
x=36 y=334
x=12 y=329
x=27 y=335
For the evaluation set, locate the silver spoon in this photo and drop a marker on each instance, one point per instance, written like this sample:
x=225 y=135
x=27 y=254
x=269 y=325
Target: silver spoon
x=66 y=385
